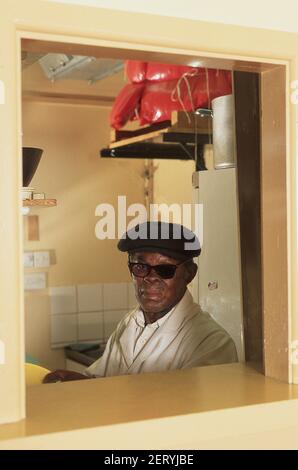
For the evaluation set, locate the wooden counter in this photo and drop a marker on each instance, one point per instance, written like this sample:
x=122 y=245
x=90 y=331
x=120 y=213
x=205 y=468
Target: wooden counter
x=164 y=410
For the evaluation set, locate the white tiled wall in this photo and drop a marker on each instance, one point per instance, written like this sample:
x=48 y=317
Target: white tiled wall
x=90 y=326
x=115 y=296
x=111 y=319
x=64 y=328
x=88 y=312
x=63 y=300
x=90 y=297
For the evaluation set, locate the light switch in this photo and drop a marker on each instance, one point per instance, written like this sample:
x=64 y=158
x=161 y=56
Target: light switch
x=41 y=259
x=34 y=281
x=28 y=258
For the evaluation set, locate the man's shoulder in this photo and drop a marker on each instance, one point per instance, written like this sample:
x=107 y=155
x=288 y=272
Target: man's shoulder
x=201 y=323
x=205 y=337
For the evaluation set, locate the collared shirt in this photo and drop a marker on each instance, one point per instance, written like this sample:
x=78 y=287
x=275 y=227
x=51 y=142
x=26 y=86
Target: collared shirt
x=185 y=337
x=144 y=332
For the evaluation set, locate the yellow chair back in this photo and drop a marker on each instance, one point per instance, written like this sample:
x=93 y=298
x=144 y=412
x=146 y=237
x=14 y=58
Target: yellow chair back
x=34 y=374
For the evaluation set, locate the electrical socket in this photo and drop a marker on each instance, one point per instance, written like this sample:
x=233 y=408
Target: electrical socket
x=28 y=259
x=34 y=281
x=41 y=259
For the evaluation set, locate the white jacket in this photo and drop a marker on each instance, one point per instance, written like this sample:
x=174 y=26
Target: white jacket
x=188 y=337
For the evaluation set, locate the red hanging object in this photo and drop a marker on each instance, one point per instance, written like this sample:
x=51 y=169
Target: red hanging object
x=159 y=89
x=135 y=71
x=160 y=99
x=157 y=72
x=126 y=105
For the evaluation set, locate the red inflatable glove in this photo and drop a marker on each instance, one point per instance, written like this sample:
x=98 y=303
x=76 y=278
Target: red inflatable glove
x=135 y=71
x=187 y=93
x=160 y=99
x=157 y=72
x=126 y=105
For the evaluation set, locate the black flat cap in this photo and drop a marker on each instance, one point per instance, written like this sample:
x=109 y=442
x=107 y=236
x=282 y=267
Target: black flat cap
x=170 y=239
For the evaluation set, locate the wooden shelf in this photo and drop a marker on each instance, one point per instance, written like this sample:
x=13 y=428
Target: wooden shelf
x=180 y=129
x=39 y=202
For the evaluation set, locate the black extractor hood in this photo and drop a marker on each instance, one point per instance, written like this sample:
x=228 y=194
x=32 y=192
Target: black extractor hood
x=182 y=138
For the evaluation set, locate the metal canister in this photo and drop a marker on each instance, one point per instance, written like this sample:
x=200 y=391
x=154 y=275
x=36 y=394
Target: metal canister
x=224 y=151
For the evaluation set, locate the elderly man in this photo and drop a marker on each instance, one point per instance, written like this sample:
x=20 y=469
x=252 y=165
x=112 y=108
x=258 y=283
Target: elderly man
x=167 y=330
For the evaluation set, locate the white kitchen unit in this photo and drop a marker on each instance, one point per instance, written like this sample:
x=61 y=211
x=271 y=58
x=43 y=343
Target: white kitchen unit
x=217 y=287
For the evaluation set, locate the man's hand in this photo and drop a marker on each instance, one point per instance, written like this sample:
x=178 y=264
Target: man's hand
x=63 y=376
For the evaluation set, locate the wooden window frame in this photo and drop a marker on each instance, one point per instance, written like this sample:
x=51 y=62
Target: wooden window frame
x=103 y=32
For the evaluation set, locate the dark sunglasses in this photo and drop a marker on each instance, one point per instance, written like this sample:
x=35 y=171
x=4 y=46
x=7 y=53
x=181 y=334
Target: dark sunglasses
x=165 y=271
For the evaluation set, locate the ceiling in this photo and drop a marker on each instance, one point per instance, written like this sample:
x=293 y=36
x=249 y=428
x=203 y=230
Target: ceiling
x=66 y=77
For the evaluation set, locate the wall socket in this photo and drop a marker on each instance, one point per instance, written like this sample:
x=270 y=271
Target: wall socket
x=41 y=259
x=33 y=281
x=28 y=257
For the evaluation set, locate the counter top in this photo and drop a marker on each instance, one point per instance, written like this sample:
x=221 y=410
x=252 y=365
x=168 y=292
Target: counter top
x=112 y=401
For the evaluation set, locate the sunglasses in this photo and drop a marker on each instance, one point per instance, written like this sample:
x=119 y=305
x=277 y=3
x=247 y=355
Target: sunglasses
x=165 y=271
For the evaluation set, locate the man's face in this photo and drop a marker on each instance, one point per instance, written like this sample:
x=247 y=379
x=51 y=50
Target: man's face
x=155 y=294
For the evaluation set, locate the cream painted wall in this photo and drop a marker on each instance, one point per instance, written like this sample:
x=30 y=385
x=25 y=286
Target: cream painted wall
x=173 y=182
x=72 y=172
x=280 y=16
x=173 y=186
x=38 y=331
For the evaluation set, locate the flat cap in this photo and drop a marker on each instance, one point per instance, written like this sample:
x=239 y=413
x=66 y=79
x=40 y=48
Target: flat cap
x=170 y=239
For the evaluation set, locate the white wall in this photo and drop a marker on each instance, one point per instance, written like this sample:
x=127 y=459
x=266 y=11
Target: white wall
x=265 y=14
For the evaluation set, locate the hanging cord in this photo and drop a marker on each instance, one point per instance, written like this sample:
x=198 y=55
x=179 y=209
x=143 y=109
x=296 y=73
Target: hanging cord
x=209 y=106
x=204 y=113
x=176 y=93
x=176 y=96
